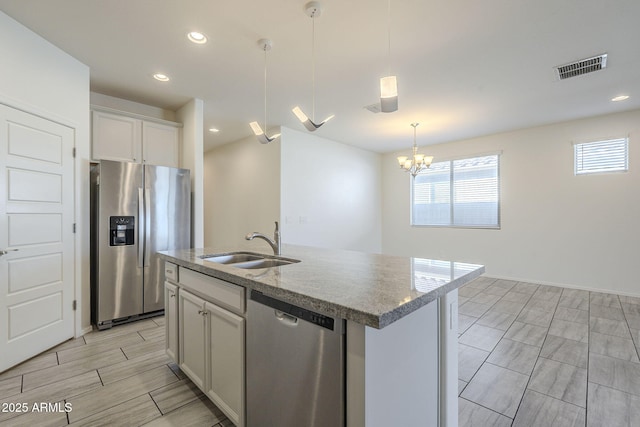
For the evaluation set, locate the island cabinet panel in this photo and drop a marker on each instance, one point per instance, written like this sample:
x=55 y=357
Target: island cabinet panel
x=192 y=332
x=210 y=332
x=171 y=321
x=226 y=360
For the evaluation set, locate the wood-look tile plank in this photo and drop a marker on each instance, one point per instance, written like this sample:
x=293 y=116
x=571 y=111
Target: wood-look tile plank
x=39 y=419
x=514 y=355
x=497 y=320
x=134 y=412
x=571 y=330
x=615 y=373
x=610 y=407
x=461 y=386
x=98 y=347
x=113 y=394
x=469 y=361
x=565 y=351
x=526 y=333
x=175 y=395
x=58 y=391
x=504 y=284
x=473 y=415
x=41 y=361
x=159 y=320
x=481 y=337
x=575 y=293
x=612 y=346
x=487 y=299
x=629 y=300
x=10 y=386
x=468 y=291
x=560 y=380
x=153 y=334
x=539 y=410
x=481 y=282
x=115 y=331
x=632 y=309
x=535 y=317
x=632 y=320
x=496 y=290
x=541 y=304
x=177 y=371
x=198 y=413
x=496 y=388
x=143 y=348
x=72 y=343
x=67 y=370
x=128 y=368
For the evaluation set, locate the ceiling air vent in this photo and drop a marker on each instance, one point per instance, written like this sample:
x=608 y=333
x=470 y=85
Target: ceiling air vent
x=582 y=66
x=374 y=108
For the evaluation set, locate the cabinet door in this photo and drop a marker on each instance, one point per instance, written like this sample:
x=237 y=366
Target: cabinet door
x=226 y=358
x=192 y=335
x=171 y=321
x=160 y=144
x=116 y=137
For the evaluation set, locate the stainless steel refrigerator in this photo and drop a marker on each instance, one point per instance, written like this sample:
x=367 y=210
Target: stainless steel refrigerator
x=136 y=210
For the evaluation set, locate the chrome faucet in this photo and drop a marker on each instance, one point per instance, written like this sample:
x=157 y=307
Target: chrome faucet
x=275 y=243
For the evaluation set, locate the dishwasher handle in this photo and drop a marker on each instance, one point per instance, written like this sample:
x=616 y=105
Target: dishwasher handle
x=285 y=318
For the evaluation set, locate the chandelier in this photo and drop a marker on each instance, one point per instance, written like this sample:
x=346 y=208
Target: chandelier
x=418 y=162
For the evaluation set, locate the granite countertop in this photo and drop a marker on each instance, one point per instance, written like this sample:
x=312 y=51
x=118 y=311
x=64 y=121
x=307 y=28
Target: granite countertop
x=371 y=289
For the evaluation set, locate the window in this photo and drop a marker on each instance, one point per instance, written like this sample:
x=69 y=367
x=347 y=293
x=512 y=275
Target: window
x=458 y=193
x=601 y=156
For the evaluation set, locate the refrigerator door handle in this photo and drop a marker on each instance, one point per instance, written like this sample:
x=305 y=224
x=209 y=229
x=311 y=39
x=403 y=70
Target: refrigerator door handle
x=147 y=226
x=141 y=225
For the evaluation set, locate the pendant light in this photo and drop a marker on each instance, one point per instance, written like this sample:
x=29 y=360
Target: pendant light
x=265 y=45
x=418 y=162
x=314 y=10
x=389 y=84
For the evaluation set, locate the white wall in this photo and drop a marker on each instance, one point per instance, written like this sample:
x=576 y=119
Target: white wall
x=330 y=193
x=37 y=77
x=191 y=115
x=556 y=228
x=242 y=192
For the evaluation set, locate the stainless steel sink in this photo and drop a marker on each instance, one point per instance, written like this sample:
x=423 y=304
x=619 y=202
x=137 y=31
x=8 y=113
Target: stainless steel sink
x=248 y=260
x=264 y=263
x=233 y=257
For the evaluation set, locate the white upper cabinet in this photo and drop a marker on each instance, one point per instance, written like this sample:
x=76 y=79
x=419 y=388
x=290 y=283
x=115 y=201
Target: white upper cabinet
x=130 y=139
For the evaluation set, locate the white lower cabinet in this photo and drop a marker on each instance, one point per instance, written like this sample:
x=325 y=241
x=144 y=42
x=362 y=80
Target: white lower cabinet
x=192 y=333
x=226 y=362
x=211 y=339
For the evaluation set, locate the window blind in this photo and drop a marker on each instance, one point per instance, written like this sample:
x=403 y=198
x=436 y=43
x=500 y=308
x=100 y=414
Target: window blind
x=462 y=192
x=601 y=156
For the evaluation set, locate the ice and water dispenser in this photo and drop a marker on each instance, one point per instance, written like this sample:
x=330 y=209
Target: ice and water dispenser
x=122 y=229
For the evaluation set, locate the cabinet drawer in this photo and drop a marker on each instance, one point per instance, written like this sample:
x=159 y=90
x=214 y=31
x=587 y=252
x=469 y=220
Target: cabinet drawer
x=224 y=293
x=171 y=271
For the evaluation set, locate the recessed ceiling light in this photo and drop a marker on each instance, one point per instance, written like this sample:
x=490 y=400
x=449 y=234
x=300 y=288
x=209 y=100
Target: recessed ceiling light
x=161 y=77
x=620 y=98
x=214 y=130
x=197 y=37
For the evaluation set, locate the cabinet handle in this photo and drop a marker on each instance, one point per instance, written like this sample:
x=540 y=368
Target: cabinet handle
x=203 y=312
x=172 y=295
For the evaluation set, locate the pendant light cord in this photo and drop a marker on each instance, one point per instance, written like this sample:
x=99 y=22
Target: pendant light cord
x=313 y=66
x=389 y=34
x=265 y=89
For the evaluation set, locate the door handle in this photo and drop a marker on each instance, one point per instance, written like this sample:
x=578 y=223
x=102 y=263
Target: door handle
x=141 y=223
x=6 y=251
x=147 y=228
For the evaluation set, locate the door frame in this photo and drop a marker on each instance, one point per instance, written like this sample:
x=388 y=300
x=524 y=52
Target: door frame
x=80 y=194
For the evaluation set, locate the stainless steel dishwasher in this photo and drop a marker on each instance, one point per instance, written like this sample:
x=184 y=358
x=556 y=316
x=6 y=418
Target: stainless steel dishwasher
x=295 y=366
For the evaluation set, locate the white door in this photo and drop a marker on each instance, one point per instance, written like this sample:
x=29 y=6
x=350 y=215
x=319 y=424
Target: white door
x=36 y=235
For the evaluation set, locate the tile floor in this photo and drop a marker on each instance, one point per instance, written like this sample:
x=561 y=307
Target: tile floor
x=535 y=355
x=529 y=355
x=118 y=377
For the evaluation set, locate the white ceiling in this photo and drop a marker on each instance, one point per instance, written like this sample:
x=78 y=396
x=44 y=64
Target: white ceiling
x=465 y=68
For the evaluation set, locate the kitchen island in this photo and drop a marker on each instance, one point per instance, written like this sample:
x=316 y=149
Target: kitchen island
x=400 y=316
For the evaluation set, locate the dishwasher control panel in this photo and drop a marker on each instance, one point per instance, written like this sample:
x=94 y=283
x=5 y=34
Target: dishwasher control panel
x=292 y=310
